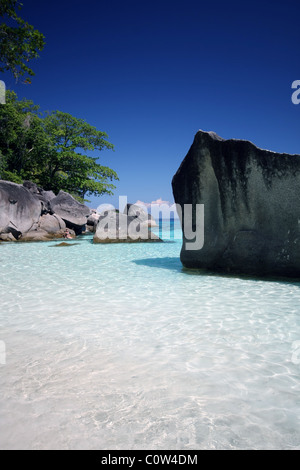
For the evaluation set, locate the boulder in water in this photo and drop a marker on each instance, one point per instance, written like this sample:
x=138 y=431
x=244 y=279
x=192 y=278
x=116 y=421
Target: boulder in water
x=251 y=207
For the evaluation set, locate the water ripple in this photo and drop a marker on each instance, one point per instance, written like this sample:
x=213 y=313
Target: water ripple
x=118 y=347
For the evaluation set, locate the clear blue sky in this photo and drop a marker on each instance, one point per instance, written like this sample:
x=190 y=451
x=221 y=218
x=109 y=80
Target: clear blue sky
x=151 y=73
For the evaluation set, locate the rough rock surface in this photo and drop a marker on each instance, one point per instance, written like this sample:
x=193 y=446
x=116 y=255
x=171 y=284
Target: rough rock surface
x=48 y=227
x=71 y=211
x=19 y=209
x=43 y=196
x=251 y=207
x=27 y=213
x=114 y=227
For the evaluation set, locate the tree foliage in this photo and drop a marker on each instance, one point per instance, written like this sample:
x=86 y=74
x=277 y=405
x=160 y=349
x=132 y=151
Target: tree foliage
x=20 y=42
x=52 y=150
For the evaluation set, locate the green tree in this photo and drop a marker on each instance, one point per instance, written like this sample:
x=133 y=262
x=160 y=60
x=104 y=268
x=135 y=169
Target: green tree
x=52 y=150
x=65 y=167
x=20 y=42
x=20 y=133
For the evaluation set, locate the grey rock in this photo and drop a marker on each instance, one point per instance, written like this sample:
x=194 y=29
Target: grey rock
x=93 y=218
x=47 y=228
x=8 y=237
x=38 y=192
x=251 y=207
x=32 y=187
x=48 y=195
x=44 y=196
x=134 y=210
x=51 y=223
x=114 y=227
x=19 y=209
x=27 y=213
x=40 y=235
x=71 y=211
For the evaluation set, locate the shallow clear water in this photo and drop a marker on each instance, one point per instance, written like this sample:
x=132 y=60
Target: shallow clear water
x=119 y=347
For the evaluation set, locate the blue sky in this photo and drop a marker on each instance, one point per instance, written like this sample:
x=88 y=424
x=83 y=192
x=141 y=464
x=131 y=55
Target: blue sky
x=151 y=74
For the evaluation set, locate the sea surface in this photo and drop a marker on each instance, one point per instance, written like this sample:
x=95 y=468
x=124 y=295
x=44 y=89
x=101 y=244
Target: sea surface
x=119 y=347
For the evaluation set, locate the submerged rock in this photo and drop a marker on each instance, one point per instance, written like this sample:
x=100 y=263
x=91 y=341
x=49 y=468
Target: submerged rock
x=251 y=207
x=64 y=244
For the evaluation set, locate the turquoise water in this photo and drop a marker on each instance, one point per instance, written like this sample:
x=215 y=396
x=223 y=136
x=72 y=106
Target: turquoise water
x=118 y=347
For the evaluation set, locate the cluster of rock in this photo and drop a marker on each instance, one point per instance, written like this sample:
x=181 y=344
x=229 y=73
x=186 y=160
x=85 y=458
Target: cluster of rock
x=251 y=207
x=133 y=225
x=28 y=213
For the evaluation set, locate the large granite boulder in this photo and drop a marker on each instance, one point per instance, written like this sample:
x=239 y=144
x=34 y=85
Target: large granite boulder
x=251 y=207
x=71 y=211
x=19 y=210
x=115 y=227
